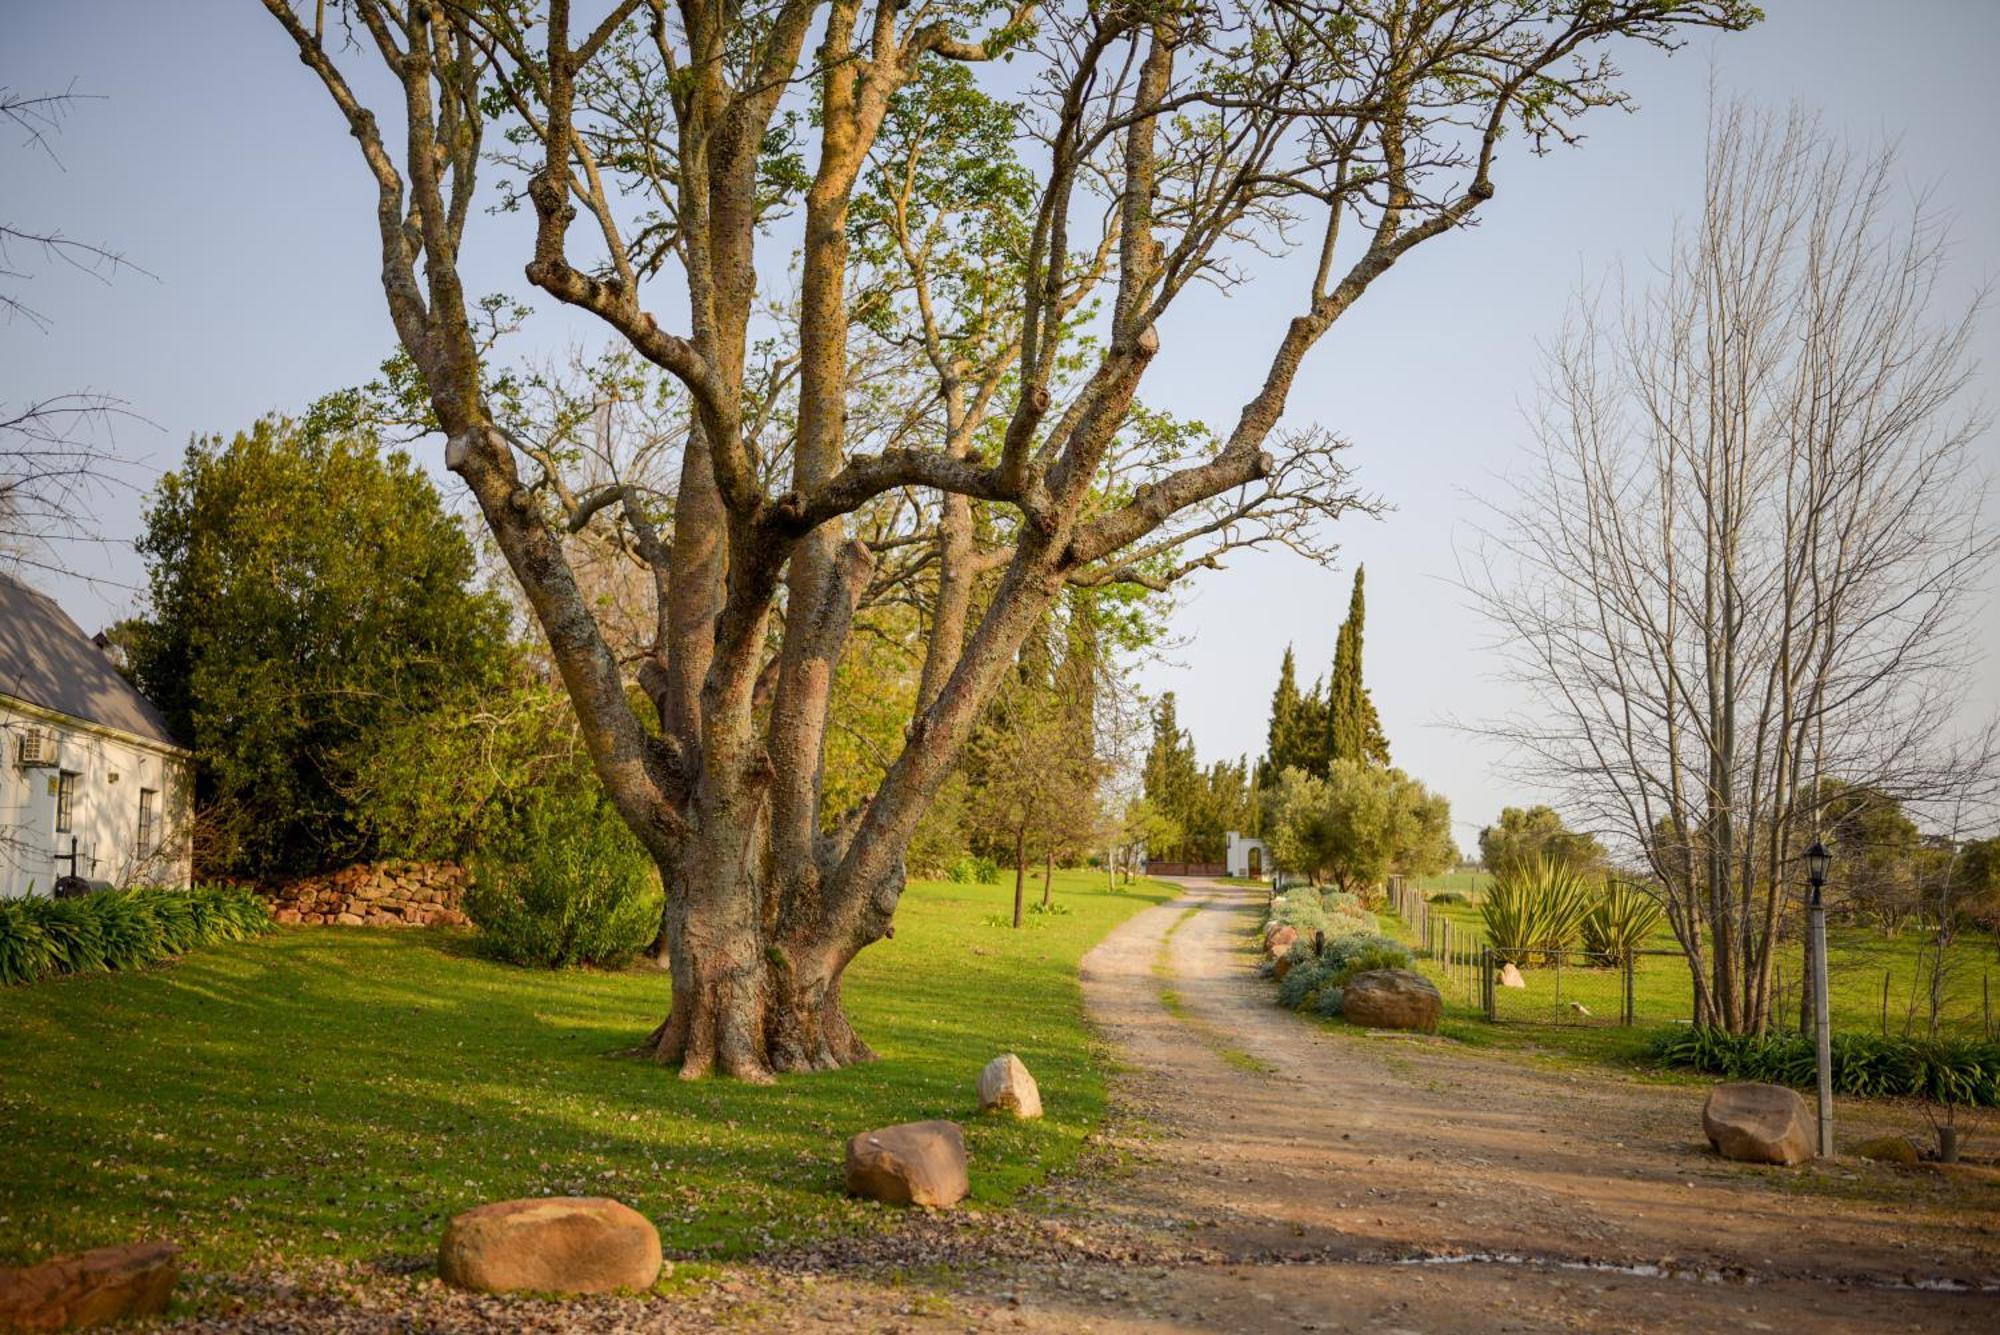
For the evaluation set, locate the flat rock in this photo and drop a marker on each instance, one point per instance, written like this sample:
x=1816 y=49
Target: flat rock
x=90 y=1288
x=1392 y=999
x=1006 y=1086
x=913 y=1163
x=1758 y=1123
x=553 y=1244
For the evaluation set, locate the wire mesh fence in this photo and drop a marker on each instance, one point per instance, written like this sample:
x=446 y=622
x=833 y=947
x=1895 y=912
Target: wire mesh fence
x=1570 y=987
x=1891 y=985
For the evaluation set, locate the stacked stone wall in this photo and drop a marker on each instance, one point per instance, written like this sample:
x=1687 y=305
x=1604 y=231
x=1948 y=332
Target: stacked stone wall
x=376 y=894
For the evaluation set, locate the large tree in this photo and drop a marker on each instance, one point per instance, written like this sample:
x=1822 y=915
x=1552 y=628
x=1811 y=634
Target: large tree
x=312 y=602
x=1735 y=575
x=1154 y=146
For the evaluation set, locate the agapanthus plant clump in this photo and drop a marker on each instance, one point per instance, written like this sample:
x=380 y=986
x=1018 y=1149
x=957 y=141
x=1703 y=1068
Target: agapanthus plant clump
x=120 y=929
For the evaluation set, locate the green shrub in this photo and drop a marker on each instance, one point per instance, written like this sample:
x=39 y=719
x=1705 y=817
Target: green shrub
x=1450 y=897
x=1052 y=908
x=569 y=886
x=1962 y=1072
x=1310 y=977
x=1535 y=908
x=120 y=929
x=1360 y=954
x=1301 y=985
x=1620 y=921
x=969 y=870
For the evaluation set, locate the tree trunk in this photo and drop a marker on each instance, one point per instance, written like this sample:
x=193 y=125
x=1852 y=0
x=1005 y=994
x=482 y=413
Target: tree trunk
x=1048 y=875
x=752 y=998
x=1020 y=870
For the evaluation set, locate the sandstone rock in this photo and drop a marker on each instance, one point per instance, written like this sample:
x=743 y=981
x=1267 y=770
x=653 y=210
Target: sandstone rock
x=1391 y=999
x=914 y=1163
x=1889 y=1149
x=285 y=915
x=88 y=1289
x=1757 y=1123
x=1281 y=967
x=557 y=1244
x=348 y=919
x=1005 y=1086
x=1278 y=941
x=1511 y=976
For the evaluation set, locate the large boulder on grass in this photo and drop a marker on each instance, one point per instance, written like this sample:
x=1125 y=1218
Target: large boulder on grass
x=554 y=1244
x=1758 y=1123
x=914 y=1163
x=1005 y=1086
x=1278 y=938
x=1392 y=999
x=90 y=1288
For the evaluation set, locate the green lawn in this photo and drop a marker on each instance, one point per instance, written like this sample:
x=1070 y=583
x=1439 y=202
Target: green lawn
x=1858 y=960
x=340 y=1092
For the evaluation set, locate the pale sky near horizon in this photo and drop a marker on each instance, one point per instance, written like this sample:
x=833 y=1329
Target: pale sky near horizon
x=211 y=159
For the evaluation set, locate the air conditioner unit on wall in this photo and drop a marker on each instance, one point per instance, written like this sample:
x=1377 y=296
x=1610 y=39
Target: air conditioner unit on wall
x=38 y=747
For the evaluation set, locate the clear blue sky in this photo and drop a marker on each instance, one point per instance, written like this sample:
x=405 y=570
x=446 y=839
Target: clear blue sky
x=214 y=162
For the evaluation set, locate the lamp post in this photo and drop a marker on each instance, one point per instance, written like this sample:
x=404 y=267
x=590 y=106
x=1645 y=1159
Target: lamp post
x=1817 y=859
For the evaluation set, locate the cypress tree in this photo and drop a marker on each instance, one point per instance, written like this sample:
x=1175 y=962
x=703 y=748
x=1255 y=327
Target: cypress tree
x=1284 y=723
x=1354 y=730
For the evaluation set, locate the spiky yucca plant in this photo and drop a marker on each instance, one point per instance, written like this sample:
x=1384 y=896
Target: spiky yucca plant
x=1535 y=908
x=1620 y=921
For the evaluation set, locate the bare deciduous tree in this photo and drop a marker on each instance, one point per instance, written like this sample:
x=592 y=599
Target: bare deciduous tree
x=1737 y=569
x=670 y=148
x=52 y=453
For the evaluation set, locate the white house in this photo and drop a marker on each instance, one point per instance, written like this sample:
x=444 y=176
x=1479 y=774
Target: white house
x=1247 y=857
x=92 y=784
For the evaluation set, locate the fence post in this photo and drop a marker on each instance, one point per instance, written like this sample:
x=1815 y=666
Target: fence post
x=1631 y=959
x=1486 y=981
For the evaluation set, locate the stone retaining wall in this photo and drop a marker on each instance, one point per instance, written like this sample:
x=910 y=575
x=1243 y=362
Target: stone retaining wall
x=375 y=894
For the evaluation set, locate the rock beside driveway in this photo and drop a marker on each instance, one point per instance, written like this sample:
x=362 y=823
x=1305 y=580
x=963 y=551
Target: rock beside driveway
x=90 y=1288
x=554 y=1244
x=913 y=1163
x=1392 y=999
x=1005 y=1086
x=1758 y=1123
x=1278 y=938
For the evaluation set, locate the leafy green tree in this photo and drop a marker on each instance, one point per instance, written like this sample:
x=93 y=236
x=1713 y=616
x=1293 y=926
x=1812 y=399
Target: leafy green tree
x=309 y=595
x=1877 y=851
x=1978 y=873
x=1523 y=834
x=1359 y=824
x=1354 y=730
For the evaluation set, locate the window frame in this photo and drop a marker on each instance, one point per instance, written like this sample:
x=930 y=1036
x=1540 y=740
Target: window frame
x=149 y=823
x=66 y=782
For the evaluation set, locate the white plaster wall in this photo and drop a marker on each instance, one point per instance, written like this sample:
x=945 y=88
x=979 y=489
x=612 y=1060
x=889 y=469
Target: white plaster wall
x=111 y=772
x=1237 y=856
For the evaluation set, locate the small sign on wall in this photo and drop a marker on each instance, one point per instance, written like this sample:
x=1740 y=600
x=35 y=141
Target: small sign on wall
x=54 y=784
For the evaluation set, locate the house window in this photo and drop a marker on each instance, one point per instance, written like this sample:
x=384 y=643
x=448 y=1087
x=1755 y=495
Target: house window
x=149 y=813
x=65 y=799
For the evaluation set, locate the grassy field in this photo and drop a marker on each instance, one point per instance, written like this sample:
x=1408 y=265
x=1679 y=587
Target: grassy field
x=1858 y=958
x=340 y=1092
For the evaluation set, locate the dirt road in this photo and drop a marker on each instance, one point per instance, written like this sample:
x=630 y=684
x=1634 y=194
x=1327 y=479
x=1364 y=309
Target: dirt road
x=1334 y=1181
